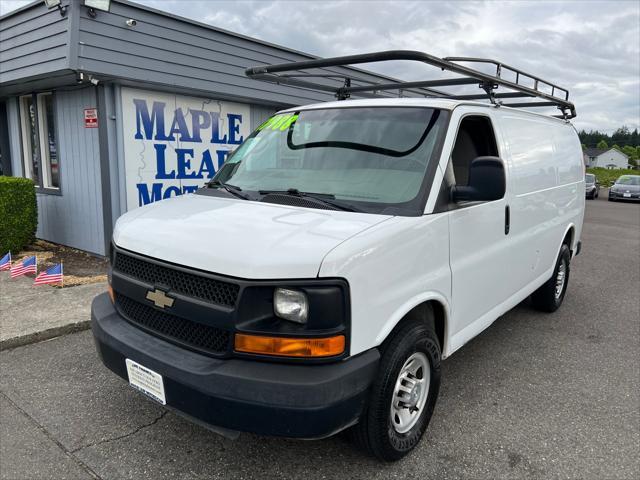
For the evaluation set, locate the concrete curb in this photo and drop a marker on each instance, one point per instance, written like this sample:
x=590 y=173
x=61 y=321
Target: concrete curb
x=52 y=312
x=48 y=334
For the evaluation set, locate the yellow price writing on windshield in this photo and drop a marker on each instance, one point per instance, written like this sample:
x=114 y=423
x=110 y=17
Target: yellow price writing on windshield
x=279 y=122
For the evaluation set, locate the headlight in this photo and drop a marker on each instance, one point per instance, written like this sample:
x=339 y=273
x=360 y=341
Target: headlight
x=291 y=305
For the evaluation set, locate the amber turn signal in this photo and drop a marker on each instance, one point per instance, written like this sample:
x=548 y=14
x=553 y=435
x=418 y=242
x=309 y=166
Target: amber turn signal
x=111 y=294
x=290 y=347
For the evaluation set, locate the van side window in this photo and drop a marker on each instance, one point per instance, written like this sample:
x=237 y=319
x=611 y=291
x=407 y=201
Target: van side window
x=475 y=139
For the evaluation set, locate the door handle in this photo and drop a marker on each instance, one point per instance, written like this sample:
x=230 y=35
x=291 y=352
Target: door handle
x=507 y=220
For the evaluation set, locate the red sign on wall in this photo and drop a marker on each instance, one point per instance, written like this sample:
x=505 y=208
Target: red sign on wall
x=90 y=118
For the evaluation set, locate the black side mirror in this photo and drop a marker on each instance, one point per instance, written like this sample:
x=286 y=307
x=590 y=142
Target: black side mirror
x=487 y=182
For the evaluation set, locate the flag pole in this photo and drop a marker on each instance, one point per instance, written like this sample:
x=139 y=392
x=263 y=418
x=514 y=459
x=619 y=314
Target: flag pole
x=62 y=274
x=36 y=259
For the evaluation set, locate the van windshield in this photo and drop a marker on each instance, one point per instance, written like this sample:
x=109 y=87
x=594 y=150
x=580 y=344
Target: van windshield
x=371 y=158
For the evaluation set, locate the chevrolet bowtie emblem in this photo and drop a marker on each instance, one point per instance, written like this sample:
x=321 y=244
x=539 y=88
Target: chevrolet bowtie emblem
x=159 y=298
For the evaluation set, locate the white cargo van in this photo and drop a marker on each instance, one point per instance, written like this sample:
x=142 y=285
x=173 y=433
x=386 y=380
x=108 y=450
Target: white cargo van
x=342 y=251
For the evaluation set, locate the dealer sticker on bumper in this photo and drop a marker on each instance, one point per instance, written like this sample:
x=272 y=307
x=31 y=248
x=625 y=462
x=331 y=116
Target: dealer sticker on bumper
x=146 y=381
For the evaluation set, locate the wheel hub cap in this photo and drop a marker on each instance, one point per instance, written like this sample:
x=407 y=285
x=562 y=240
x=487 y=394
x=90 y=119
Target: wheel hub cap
x=560 y=279
x=410 y=392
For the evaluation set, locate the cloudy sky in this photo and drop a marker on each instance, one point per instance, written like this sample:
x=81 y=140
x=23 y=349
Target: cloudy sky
x=591 y=47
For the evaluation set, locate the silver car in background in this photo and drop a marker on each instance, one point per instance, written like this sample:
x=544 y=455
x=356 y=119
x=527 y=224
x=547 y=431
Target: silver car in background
x=626 y=187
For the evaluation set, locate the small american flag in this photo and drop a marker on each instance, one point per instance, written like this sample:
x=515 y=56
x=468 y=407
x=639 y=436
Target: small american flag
x=50 y=275
x=5 y=262
x=28 y=265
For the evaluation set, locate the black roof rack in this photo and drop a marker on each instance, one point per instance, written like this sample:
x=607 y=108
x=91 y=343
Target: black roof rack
x=522 y=85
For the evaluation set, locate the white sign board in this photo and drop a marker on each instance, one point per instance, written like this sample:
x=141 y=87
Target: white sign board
x=173 y=143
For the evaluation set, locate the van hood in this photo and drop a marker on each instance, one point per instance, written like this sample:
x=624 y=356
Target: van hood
x=239 y=238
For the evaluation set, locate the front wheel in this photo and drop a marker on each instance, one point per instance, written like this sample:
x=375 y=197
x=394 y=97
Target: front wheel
x=404 y=394
x=550 y=295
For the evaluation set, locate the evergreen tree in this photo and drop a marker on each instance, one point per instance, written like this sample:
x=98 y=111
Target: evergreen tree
x=622 y=137
x=631 y=152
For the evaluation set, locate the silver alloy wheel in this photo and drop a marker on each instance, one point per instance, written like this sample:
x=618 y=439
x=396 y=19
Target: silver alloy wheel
x=560 y=279
x=411 y=392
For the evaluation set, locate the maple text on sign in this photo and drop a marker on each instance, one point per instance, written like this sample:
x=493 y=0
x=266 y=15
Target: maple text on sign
x=90 y=118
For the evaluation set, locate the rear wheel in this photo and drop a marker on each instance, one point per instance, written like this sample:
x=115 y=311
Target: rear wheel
x=550 y=295
x=404 y=394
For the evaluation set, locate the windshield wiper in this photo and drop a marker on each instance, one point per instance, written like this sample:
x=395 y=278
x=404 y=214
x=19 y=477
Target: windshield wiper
x=232 y=189
x=324 y=198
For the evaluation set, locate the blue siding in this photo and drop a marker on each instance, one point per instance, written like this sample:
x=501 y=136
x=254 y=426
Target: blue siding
x=34 y=42
x=75 y=217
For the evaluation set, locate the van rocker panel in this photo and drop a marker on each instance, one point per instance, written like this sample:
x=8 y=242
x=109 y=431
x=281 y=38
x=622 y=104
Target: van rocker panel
x=298 y=401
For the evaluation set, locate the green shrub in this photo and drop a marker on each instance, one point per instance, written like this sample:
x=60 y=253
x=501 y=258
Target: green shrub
x=18 y=213
x=606 y=175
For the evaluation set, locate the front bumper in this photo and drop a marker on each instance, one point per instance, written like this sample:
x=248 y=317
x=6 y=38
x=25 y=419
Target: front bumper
x=298 y=401
x=635 y=196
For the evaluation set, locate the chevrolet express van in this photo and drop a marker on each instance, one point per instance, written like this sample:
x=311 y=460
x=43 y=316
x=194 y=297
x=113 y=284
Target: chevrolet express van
x=345 y=249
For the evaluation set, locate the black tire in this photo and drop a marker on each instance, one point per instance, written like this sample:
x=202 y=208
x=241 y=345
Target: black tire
x=375 y=432
x=545 y=298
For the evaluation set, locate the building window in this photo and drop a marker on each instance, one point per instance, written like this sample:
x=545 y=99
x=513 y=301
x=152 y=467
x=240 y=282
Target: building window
x=39 y=143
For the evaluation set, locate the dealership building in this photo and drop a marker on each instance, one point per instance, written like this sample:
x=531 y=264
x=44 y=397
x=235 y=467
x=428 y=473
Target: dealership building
x=109 y=105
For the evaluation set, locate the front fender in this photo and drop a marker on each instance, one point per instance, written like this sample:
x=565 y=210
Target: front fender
x=391 y=267
x=414 y=302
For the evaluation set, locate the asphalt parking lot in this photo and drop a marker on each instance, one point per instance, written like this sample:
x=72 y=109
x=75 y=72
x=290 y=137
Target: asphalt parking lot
x=534 y=396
